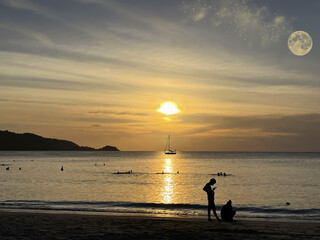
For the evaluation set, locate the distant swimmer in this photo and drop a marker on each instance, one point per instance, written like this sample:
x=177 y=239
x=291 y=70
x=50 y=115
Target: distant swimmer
x=224 y=174
x=218 y=174
x=129 y=172
x=19 y=168
x=62 y=168
x=7 y=168
x=287 y=203
x=178 y=172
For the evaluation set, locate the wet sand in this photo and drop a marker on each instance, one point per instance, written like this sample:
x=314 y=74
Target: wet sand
x=26 y=225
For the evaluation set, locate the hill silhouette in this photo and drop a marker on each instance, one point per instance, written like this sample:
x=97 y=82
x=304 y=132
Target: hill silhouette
x=10 y=141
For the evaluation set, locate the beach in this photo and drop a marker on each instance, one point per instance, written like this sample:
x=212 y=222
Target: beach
x=40 y=225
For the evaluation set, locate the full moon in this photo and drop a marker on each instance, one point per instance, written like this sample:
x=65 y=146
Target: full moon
x=300 y=43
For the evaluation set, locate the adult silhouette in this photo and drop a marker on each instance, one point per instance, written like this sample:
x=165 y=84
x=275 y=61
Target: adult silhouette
x=227 y=212
x=211 y=205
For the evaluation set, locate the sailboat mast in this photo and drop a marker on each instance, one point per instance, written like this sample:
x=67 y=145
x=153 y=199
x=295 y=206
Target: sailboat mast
x=166 y=146
x=169 y=142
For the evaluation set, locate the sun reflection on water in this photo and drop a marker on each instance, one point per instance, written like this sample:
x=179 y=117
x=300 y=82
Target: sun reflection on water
x=167 y=166
x=168 y=184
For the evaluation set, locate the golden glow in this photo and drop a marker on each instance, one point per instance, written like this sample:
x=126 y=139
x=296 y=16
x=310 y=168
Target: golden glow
x=167 y=167
x=167 y=192
x=168 y=189
x=169 y=108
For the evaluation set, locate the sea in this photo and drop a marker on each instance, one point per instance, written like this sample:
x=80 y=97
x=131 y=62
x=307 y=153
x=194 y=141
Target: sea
x=266 y=186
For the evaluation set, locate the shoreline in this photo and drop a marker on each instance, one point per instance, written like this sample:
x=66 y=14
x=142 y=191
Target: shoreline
x=58 y=225
x=159 y=215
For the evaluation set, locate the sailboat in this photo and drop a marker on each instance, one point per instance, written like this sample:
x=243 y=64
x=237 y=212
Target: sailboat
x=167 y=150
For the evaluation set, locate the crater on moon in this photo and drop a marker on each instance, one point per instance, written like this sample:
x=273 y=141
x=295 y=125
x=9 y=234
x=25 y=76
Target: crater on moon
x=300 y=43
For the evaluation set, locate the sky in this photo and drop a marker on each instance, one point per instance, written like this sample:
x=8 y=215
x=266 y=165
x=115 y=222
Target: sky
x=95 y=72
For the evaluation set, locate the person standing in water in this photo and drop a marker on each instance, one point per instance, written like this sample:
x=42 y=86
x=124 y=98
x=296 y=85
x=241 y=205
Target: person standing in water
x=211 y=205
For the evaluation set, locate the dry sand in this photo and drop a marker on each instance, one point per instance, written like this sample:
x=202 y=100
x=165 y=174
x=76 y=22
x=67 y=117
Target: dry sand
x=26 y=225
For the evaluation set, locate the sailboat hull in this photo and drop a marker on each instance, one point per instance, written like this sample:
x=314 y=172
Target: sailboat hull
x=170 y=152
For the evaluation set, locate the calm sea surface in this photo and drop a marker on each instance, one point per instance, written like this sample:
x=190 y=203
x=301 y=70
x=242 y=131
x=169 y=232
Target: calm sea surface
x=259 y=184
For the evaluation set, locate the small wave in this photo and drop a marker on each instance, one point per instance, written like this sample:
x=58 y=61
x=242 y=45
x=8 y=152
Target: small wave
x=160 y=208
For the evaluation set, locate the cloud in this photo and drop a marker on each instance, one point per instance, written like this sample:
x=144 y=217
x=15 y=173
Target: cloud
x=64 y=54
x=113 y=112
x=254 y=133
x=32 y=7
x=105 y=120
x=22 y=4
x=45 y=83
x=42 y=38
x=34 y=102
x=281 y=125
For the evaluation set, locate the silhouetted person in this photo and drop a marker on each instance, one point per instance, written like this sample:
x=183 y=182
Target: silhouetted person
x=210 y=192
x=227 y=212
x=62 y=168
x=224 y=174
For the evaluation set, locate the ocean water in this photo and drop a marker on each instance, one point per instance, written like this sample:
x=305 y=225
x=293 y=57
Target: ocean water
x=259 y=184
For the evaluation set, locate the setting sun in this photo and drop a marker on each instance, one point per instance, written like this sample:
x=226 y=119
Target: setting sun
x=169 y=108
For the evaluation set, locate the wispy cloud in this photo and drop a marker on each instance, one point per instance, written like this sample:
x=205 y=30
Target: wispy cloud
x=42 y=38
x=22 y=4
x=49 y=83
x=273 y=124
x=117 y=112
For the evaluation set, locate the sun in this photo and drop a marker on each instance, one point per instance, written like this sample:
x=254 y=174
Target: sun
x=168 y=108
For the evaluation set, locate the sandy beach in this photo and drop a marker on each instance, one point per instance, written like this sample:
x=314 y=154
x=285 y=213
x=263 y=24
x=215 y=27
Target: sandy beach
x=27 y=225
